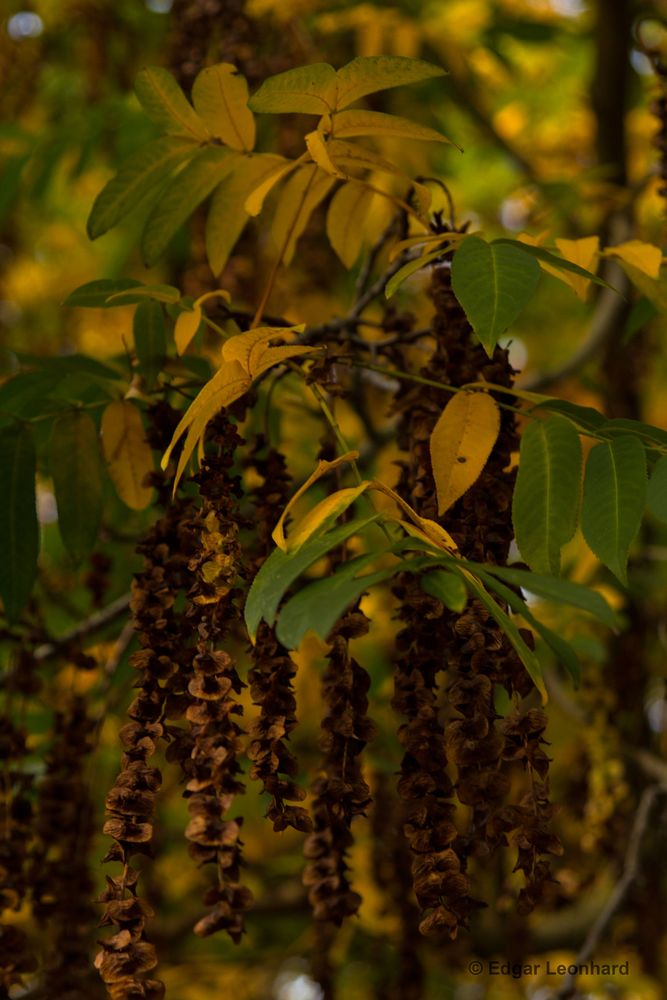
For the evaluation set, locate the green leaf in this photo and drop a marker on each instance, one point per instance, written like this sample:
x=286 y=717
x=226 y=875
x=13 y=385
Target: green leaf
x=368 y=74
x=165 y=103
x=656 y=496
x=493 y=282
x=585 y=417
x=614 y=501
x=409 y=269
x=642 y=313
x=134 y=296
x=540 y=253
x=564 y=652
x=358 y=121
x=76 y=468
x=447 y=587
x=553 y=589
x=188 y=189
x=281 y=569
x=319 y=605
x=19 y=530
x=623 y=426
x=526 y=654
x=142 y=175
x=95 y=294
x=227 y=215
x=547 y=492
x=309 y=90
x=150 y=340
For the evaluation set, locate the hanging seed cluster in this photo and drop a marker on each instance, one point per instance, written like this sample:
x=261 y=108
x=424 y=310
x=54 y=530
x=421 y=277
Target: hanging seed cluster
x=475 y=657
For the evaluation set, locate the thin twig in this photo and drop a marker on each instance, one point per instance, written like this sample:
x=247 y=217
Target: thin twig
x=628 y=876
x=95 y=622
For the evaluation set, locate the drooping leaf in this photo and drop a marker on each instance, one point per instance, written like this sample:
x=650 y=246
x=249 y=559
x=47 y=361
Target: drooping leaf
x=150 y=340
x=642 y=312
x=319 y=605
x=321 y=469
x=654 y=289
x=547 y=492
x=324 y=514
x=355 y=122
x=346 y=219
x=461 y=443
x=281 y=569
x=220 y=97
x=584 y=417
x=272 y=356
x=368 y=74
x=189 y=188
x=563 y=650
x=165 y=103
x=526 y=654
x=227 y=215
x=143 y=175
x=255 y=200
x=129 y=458
x=447 y=587
x=643 y=257
x=76 y=468
x=656 y=496
x=300 y=197
x=318 y=148
x=555 y=589
x=251 y=348
x=493 y=282
x=187 y=324
x=425 y=527
x=614 y=500
x=307 y=89
x=623 y=425
x=96 y=294
x=19 y=530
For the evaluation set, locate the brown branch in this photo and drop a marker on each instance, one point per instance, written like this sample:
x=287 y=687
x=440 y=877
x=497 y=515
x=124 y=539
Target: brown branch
x=631 y=866
x=94 y=623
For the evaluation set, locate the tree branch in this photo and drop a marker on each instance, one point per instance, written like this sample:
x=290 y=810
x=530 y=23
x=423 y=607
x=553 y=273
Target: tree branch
x=96 y=621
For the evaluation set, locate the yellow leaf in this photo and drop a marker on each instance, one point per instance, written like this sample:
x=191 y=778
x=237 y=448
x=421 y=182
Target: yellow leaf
x=166 y=104
x=300 y=197
x=643 y=256
x=255 y=199
x=220 y=97
x=186 y=327
x=321 y=470
x=277 y=355
x=430 y=240
x=346 y=219
x=584 y=252
x=368 y=74
x=249 y=348
x=537 y=241
x=461 y=443
x=353 y=157
x=431 y=529
x=128 y=456
x=317 y=147
x=347 y=124
x=224 y=388
x=227 y=215
x=326 y=510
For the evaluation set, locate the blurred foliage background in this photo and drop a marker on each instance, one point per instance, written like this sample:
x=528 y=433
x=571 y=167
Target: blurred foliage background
x=552 y=102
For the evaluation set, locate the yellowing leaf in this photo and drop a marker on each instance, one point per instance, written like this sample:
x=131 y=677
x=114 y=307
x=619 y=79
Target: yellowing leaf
x=255 y=200
x=220 y=96
x=584 y=252
x=368 y=74
x=643 y=256
x=430 y=240
x=529 y=397
x=347 y=124
x=433 y=532
x=317 y=147
x=166 y=104
x=227 y=215
x=320 y=470
x=300 y=197
x=346 y=218
x=227 y=385
x=186 y=327
x=129 y=458
x=277 y=355
x=461 y=443
x=249 y=348
x=323 y=513
x=307 y=90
